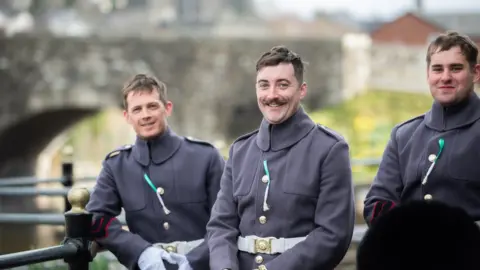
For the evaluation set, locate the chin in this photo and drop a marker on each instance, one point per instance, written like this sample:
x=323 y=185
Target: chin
x=149 y=135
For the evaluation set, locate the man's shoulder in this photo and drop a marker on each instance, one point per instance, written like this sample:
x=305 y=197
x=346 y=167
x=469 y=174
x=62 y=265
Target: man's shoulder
x=405 y=127
x=329 y=132
x=245 y=136
x=196 y=141
x=119 y=150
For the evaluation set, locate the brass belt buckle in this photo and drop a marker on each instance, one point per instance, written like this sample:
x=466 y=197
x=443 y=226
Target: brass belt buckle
x=263 y=245
x=170 y=248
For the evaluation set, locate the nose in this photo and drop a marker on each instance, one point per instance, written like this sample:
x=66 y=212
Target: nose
x=272 y=92
x=145 y=113
x=446 y=75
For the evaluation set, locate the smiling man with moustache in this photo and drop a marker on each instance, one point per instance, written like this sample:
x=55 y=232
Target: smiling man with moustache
x=166 y=183
x=286 y=200
x=435 y=156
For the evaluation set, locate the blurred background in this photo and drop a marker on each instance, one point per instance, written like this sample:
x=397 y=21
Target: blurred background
x=63 y=63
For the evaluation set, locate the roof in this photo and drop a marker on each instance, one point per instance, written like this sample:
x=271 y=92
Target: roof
x=464 y=23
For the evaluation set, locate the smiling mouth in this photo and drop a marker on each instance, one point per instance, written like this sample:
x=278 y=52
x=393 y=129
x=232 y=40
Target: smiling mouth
x=274 y=105
x=148 y=124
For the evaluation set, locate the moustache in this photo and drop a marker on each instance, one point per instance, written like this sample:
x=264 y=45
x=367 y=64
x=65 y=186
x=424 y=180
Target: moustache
x=274 y=101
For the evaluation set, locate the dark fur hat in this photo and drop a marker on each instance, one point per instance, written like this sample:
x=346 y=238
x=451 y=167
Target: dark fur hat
x=421 y=235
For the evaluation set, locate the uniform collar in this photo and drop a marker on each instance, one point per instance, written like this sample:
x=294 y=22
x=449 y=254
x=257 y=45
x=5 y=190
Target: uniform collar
x=161 y=148
x=442 y=118
x=286 y=134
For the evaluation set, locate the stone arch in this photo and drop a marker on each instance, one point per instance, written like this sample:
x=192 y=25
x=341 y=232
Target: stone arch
x=20 y=144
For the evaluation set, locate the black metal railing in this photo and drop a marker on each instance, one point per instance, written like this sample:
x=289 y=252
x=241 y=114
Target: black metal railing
x=74 y=249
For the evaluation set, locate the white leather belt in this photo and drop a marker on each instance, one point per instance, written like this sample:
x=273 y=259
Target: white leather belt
x=180 y=247
x=268 y=245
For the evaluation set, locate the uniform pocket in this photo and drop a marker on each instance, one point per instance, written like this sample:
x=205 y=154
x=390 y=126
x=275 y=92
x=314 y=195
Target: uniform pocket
x=463 y=157
x=132 y=190
x=135 y=200
x=301 y=178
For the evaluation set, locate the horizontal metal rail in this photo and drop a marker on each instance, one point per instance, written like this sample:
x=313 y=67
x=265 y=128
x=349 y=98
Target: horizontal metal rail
x=31 y=180
x=33 y=191
x=38 y=219
x=364 y=162
x=27 y=180
x=8 y=261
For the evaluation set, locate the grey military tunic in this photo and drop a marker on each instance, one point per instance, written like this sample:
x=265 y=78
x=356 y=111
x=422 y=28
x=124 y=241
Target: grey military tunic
x=448 y=137
x=310 y=193
x=187 y=174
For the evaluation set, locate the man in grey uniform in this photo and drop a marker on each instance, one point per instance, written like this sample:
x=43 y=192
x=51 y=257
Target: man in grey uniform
x=435 y=156
x=286 y=200
x=166 y=184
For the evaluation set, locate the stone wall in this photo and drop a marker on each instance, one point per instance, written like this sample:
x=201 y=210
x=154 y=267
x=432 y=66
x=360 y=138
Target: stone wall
x=209 y=80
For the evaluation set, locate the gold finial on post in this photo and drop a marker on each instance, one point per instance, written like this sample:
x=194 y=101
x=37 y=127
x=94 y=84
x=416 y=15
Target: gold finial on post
x=78 y=199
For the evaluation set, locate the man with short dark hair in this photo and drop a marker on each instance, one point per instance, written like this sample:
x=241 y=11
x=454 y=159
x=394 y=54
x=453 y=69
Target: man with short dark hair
x=435 y=156
x=286 y=198
x=166 y=184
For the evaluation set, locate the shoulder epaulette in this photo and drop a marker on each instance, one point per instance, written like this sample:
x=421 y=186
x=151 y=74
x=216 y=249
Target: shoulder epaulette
x=246 y=135
x=331 y=132
x=195 y=140
x=118 y=151
x=410 y=120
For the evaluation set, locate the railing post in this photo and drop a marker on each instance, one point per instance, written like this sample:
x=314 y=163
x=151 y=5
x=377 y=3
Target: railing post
x=67 y=172
x=78 y=224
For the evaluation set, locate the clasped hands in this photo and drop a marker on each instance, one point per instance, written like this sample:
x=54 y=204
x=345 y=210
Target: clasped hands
x=152 y=259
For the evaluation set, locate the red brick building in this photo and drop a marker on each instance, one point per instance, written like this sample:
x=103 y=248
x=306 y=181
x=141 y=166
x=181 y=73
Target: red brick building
x=418 y=29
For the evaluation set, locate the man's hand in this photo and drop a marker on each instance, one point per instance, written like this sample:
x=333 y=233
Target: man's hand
x=182 y=261
x=152 y=259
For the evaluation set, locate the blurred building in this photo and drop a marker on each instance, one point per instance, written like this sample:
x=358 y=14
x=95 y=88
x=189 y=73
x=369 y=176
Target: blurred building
x=419 y=27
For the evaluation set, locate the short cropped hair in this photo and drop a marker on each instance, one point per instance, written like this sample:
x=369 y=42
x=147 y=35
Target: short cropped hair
x=281 y=54
x=144 y=83
x=421 y=235
x=450 y=39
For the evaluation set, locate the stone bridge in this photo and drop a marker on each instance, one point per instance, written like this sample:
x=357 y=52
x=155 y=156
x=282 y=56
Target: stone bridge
x=48 y=84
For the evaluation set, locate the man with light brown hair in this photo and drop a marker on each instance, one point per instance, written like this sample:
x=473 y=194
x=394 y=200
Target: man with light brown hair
x=166 y=184
x=435 y=156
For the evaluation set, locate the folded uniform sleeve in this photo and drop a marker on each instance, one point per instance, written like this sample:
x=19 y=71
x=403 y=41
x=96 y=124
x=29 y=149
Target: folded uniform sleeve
x=105 y=205
x=387 y=185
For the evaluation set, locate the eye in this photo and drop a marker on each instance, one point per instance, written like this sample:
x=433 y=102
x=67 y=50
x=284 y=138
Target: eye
x=153 y=106
x=284 y=85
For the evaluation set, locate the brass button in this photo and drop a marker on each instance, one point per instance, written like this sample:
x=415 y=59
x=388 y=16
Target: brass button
x=160 y=191
x=265 y=179
x=259 y=259
x=262 y=219
x=262 y=267
x=428 y=197
x=432 y=157
x=166 y=226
